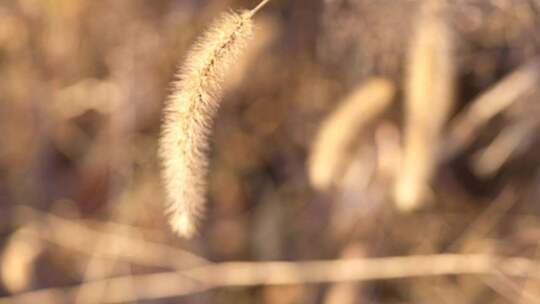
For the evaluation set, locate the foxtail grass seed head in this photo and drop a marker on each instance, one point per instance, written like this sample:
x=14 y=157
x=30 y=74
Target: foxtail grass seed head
x=189 y=115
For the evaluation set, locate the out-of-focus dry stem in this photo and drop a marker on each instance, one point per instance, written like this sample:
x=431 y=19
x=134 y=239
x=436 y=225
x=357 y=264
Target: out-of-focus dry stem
x=238 y=274
x=492 y=158
x=485 y=222
x=507 y=91
x=78 y=237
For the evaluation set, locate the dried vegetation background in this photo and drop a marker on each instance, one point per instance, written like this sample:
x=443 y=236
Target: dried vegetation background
x=81 y=91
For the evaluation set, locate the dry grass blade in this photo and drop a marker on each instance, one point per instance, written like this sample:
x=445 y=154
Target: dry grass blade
x=492 y=158
x=486 y=221
x=169 y=284
x=189 y=115
x=333 y=144
x=80 y=238
x=429 y=100
x=464 y=127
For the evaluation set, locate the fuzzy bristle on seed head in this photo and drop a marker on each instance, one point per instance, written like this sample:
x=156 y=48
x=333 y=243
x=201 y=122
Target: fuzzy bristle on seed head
x=189 y=115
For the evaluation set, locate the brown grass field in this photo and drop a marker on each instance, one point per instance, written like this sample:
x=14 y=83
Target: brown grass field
x=347 y=151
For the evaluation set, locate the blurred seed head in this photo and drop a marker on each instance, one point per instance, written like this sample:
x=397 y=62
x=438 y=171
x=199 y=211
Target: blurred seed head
x=334 y=142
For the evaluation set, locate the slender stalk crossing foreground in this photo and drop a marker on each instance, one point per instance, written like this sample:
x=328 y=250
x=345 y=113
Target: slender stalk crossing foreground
x=169 y=284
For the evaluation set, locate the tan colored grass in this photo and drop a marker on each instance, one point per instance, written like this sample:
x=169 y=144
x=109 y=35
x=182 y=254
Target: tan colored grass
x=464 y=128
x=17 y=262
x=162 y=285
x=487 y=162
x=189 y=115
x=429 y=100
x=333 y=145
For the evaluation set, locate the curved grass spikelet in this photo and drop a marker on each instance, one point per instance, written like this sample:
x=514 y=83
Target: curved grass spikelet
x=189 y=114
x=333 y=144
x=429 y=99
